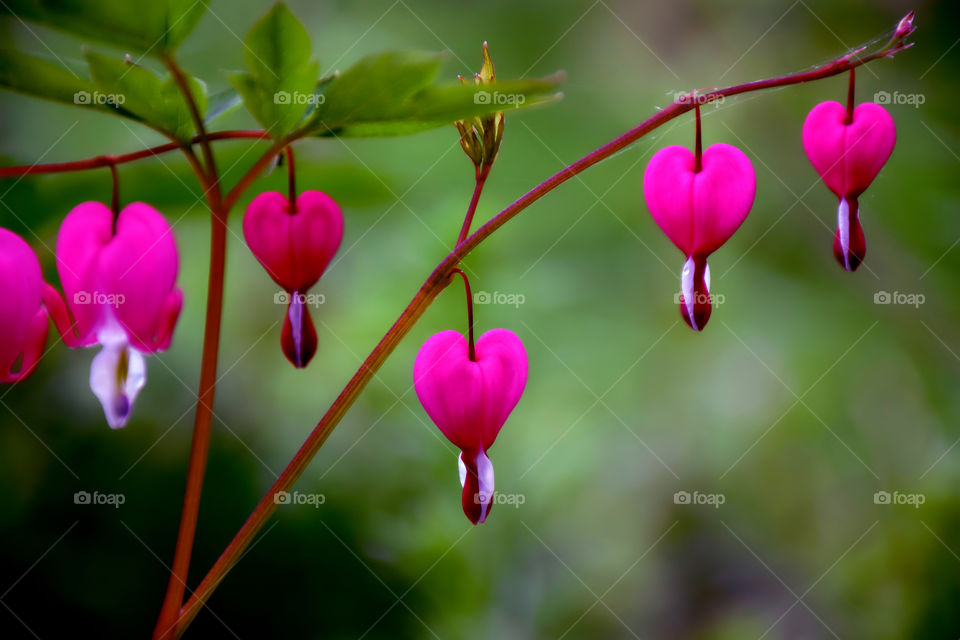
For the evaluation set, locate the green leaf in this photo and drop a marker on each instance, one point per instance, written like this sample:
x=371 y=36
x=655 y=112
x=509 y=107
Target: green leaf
x=373 y=88
x=153 y=27
x=392 y=94
x=222 y=103
x=157 y=101
x=280 y=87
x=53 y=81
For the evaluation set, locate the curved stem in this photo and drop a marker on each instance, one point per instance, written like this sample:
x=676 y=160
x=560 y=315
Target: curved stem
x=103 y=161
x=482 y=173
x=184 y=85
x=439 y=279
x=471 y=352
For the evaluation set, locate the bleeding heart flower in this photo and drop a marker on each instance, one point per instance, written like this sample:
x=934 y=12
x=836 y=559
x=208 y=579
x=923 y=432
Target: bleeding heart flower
x=295 y=248
x=469 y=400
x=699 y=210
x=119 y=281
x=23 y=319
x=848 y=153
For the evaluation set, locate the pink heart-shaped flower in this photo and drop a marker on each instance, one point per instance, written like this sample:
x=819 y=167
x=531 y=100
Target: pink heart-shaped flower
x=848 y=156
x=23 y=318
x=295 y=248
x=699 y=211
x=469 y=400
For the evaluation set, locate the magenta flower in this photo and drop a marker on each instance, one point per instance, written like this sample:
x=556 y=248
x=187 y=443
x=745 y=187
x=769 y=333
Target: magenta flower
x=469 y=399
x=23 y=318
x=295 y=248
x=119 y=282
x=848 y=150
x=698 y=208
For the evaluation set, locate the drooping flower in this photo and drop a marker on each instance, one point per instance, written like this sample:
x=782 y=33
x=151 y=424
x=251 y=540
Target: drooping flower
x=699 y=208
x=119 y=279
x=848 y=148
x=295 y=247
x=469 y=400
x=23 y=318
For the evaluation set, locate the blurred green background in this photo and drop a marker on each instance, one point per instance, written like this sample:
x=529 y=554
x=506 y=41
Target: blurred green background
x=800 y=400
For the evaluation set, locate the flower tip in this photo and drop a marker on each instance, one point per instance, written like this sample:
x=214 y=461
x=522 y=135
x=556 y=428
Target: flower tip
x=298 y=338
x=905 y=27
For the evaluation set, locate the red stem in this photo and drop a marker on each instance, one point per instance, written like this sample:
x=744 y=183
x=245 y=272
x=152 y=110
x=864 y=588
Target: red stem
x=698 y=145
x=482 y=173
x=440 y=278
x=471 y=352
x=291 y=180
x=200 y=444
x=115 y=195
x=105 y=161
x=850 y=97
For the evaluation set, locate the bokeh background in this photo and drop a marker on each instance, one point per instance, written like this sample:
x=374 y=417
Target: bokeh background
x=800 y=401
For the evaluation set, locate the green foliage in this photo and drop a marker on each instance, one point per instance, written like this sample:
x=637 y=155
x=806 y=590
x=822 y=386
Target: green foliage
x=51 y=81
x=282 y=76
x=154 y=27
x=393 y=94
x=157 y=100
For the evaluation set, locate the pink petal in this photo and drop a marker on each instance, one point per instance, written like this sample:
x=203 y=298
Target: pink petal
x=23 y=320
x=470 y=401
x=83 y=234
x=848 y=157
x=295 y=248
x=139 y=268
x=699 y=211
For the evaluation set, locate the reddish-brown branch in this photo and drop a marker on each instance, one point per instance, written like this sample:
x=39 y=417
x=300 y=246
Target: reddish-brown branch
x=107 y=160
x=439 y=279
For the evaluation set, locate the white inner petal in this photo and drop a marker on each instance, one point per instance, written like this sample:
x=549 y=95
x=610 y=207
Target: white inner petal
x=463 y=469
x=843 y=226
x=686 y=287
x=117 y=374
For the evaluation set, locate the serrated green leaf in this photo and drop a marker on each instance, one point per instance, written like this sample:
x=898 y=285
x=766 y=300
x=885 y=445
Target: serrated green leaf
x=153 y=27
x=52 y=81
x=279 y=88
x=157 y=101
